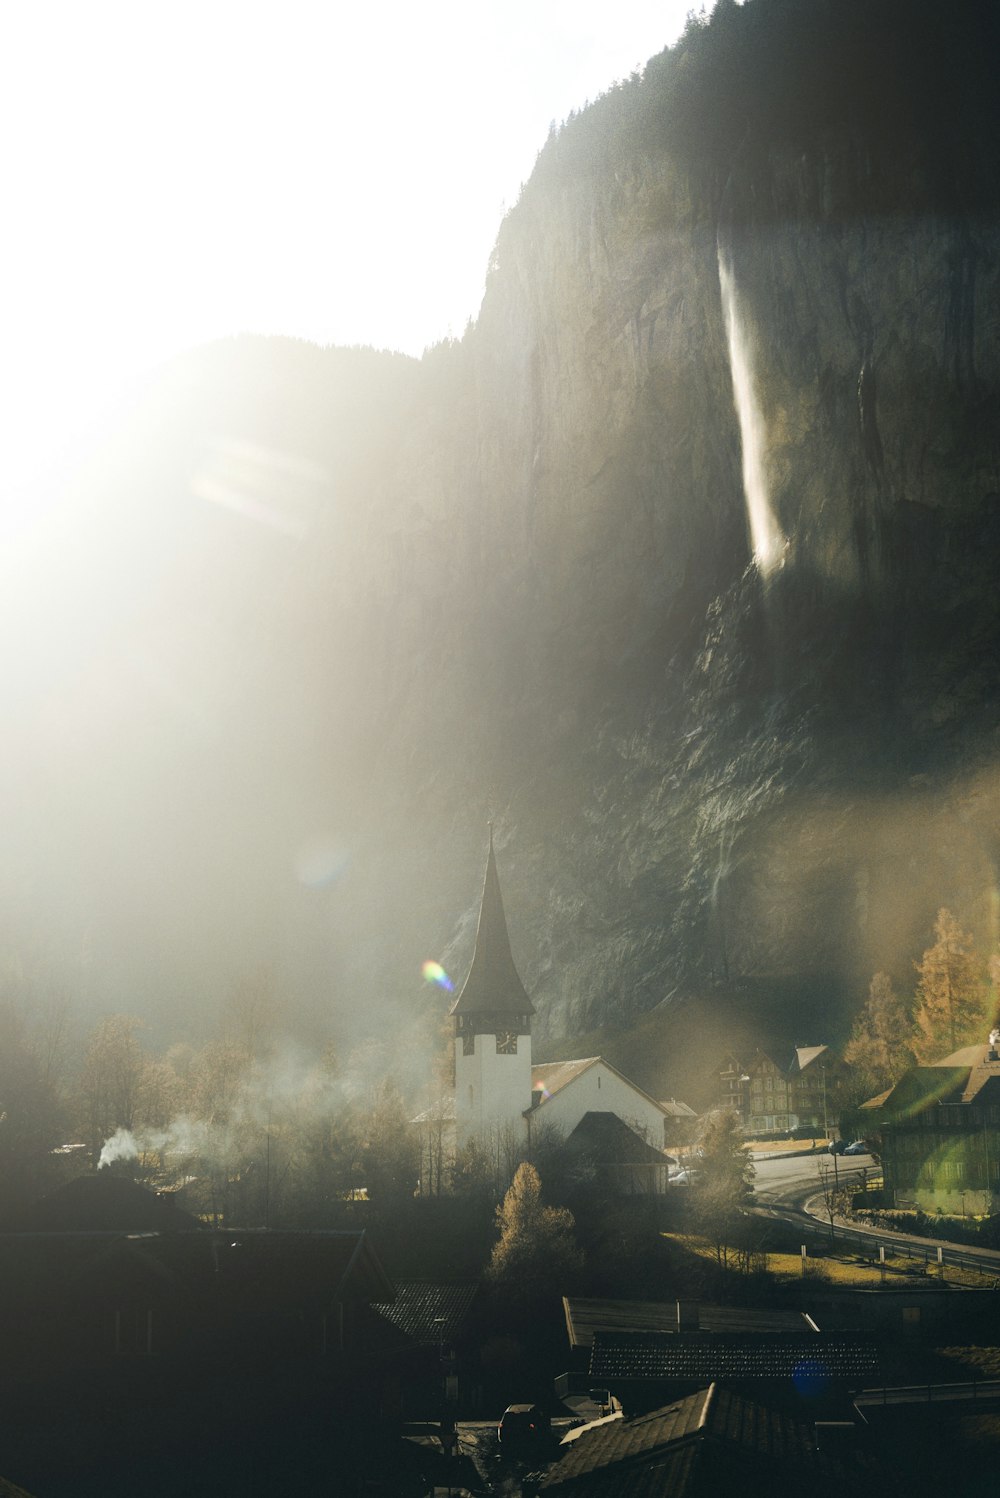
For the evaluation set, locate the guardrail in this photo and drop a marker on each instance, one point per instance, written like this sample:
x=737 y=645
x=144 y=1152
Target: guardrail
x=869 y=1241
x=975 y=1389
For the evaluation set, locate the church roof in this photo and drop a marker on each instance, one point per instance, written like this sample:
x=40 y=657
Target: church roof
x=493 y=985
x=550 y=1077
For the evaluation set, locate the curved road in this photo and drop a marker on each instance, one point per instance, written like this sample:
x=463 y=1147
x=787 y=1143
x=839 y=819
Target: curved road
x=789 y=1189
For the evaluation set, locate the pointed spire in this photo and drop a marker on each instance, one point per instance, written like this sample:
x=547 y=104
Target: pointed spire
x=493 y=985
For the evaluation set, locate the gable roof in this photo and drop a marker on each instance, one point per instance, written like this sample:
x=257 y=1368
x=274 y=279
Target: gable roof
x=550 y=1077
x=102 y=1202
x=966 y=1076
x=253 y=1269
x=923 y=1086
x=607 y=1140
x=427 y=1313
x=613 y=1442
x=493 y=985
x=805 y=1055
x=711 y=1442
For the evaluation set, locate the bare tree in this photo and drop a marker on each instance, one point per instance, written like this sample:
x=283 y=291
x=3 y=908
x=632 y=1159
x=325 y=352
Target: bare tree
x=113 y=1086
x=725 y=1181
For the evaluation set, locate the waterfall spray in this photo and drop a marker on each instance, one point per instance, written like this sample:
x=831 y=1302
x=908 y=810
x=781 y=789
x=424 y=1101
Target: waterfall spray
x=766 y=539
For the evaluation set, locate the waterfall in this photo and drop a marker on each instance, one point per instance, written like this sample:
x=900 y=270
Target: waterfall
x=766 y=540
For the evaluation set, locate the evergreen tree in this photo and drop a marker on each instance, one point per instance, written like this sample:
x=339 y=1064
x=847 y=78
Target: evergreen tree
x=880 y=1049
x=952 y=998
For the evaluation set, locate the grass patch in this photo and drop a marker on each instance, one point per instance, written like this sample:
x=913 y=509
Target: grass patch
x=982 y=1360
x=837 y=1266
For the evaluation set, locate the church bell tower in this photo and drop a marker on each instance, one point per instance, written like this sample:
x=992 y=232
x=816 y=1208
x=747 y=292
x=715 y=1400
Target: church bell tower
x=492 y=1030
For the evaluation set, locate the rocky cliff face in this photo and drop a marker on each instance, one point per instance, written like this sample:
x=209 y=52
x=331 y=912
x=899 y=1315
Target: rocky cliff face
x=726 y=743
x=679 y=565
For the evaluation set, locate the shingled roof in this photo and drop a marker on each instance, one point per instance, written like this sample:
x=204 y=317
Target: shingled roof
x=711 y=1442
x=617 y=1356
x=493 y=986
x=429 y=1314
x=615 y=1441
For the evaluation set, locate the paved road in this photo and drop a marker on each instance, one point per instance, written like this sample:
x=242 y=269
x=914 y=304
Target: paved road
x=789 y=1189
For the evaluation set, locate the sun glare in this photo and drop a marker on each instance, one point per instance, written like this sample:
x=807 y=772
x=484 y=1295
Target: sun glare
x=326 y=174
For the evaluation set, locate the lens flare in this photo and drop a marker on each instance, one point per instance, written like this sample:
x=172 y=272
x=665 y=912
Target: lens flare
x=811 y=1377
x=434 y=973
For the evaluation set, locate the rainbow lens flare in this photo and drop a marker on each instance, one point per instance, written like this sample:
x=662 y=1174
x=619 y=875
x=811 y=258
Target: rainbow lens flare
x=434 y=973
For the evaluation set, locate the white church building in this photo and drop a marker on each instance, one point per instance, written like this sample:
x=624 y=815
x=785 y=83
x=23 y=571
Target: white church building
x=501 y=1096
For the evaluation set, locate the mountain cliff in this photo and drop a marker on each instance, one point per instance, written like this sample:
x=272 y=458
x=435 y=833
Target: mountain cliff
x=679 y=565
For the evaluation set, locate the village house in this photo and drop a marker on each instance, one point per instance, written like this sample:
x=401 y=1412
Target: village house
x=773 y=1098
x=646 y=1352
x=939 y=1129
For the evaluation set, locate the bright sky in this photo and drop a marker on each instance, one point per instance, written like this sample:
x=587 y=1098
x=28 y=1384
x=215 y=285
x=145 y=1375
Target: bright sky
x=172 y=173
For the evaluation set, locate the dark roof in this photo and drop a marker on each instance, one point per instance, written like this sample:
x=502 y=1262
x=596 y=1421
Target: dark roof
x=255 y=1270
x=429 y=1314
x=493 y=985
x=611 y=1442
x=712 y=1442
x=702 y=1356
x=607 y=1140
x=106 y=1203
x=8 y=1490
x=585 y=1316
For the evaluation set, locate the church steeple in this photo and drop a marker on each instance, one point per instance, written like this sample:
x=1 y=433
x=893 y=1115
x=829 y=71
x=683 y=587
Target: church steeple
x=492 y=1017
x=493 y=987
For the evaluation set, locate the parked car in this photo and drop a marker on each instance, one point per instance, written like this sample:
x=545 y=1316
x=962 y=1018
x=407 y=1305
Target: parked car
x=685 y=1176
x=523 y=1425
x=858 y=1147
x=838 y=1146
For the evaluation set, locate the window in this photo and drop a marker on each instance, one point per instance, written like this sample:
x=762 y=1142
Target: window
x=468 y=1045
